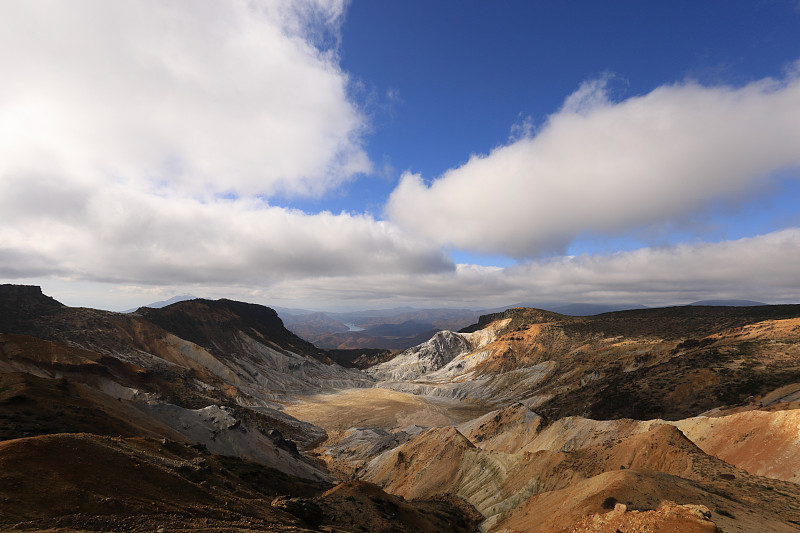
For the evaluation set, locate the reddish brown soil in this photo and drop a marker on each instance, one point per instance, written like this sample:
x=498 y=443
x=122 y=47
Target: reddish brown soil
x=92 y=483
x=669 y=517
x=384 y=513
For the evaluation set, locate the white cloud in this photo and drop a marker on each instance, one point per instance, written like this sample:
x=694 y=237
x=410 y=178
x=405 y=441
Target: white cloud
x=591 y=95
x=125 y=125
x=122 y=235
x=756 y=267
x=605 y=168
x=759 y=268
x=203 y=96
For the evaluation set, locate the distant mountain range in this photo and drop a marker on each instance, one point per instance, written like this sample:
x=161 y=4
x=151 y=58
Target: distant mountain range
x=164 y=303
x=403 y=327
x=728 y=303
x=393 y=329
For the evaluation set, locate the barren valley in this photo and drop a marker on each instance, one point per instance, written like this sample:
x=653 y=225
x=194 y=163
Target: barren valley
x=211 y=416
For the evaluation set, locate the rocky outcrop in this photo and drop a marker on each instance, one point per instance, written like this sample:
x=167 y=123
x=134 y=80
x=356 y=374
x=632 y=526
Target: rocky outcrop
x=505 y=430
x=220 y=349
x=20 y=303
x=216 y=324
x=218 y=430
x=428 y=357
x=306 y=510
x=669 y=516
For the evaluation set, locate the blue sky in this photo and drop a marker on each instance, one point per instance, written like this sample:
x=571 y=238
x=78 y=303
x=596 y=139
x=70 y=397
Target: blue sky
x=369 y=154
x=442 y=81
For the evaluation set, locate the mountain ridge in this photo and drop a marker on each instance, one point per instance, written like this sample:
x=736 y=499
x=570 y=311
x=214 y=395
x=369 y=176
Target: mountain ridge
x=648 y=419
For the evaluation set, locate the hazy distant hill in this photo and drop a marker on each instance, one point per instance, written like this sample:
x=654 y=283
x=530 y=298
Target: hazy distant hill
x=574 y=308
x=730 y=303
x=164 y=303
x=391 y=329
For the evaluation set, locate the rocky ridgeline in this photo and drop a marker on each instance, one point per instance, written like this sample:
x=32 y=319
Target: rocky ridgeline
x=206 y=372
x=429 y=356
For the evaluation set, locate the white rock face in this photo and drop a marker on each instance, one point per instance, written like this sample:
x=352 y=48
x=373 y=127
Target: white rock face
x=218 y=429
x=263 y=375
x=359 y=444
x=445 y=365
x=424 y=358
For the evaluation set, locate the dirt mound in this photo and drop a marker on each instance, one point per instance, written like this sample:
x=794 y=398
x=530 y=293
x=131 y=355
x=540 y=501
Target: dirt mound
x=93 y=483
x=506 y=430
x=762 y=443
x=641 y=470
x=382 y=512
x=437 y=452
x=664 y=449
x=584 y=506
x=86 y=481
x=668 y=517
x=31 y=405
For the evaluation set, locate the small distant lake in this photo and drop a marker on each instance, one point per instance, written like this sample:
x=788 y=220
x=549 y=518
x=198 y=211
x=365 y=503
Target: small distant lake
x=353 y=327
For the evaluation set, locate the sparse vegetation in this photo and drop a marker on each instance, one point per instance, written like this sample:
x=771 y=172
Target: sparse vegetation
x=505 y=426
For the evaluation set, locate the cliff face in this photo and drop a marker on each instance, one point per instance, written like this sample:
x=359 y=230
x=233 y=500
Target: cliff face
x=239 y=344
x=213 y=324
x=20 y=303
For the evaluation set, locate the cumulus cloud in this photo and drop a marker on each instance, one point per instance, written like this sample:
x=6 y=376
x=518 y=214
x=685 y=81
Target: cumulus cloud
x=606 y=168
x=116 y=233
x=204 y=97
x=121 y=235
x=140 y=141
x=589 y=96
x=758 y=268
x=755 y=267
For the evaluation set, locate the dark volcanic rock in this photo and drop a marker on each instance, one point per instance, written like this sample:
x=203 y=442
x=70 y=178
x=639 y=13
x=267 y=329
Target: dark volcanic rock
x=213 y=324
x=20 y=303
x=362 y=359
x=302 y=508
